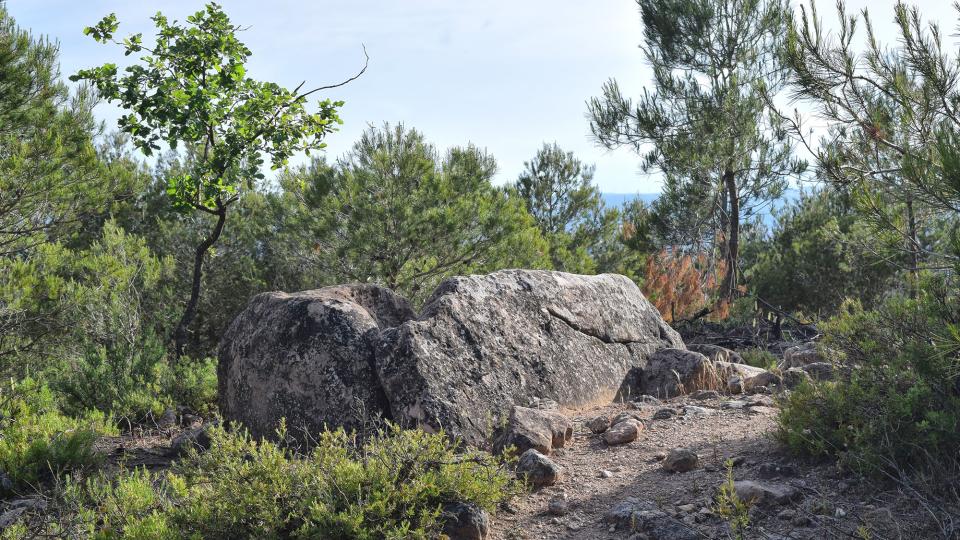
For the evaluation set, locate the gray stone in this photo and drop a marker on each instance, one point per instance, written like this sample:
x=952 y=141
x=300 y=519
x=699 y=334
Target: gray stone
x=197 y=438
x=820 y=371
x=665 y=413
x=486 y=342
x=703 y=395
x=761 y=381
x=634 y=515
x=716 y=353
x=537 y=429
x=168 y=419
x=801 y=355
x=558 y=506
x=671 y=372
x=626 y=415
x=17 y=508
x=767 y=471
x=465 y=521
x=6 y=483
x=734 y=404
x=681 y=460
x=739 y=378
x=538 y=469
x=308 y=357
x=647 y=400
x=623 y=432
x=794 y=377
x=598 y=424
x=765 y=494
x=693 y=410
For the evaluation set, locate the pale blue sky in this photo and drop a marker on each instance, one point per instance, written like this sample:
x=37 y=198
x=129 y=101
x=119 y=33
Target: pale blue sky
x=505 y=75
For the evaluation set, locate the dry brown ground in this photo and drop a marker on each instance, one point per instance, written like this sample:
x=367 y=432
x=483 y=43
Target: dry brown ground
x=832 y=505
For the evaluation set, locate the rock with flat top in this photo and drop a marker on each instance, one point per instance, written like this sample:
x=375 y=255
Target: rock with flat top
x=533 y=428
x=623 y=432
x=484 y=343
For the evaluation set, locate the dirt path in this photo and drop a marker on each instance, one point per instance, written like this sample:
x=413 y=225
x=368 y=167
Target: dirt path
x=598 y=477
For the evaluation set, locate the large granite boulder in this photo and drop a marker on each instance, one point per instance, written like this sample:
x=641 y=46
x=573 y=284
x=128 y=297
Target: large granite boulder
x=484 y=343
x=308 y=357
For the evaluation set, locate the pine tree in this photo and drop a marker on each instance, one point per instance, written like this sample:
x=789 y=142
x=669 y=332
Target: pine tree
x=49 y=171
x=707 y=125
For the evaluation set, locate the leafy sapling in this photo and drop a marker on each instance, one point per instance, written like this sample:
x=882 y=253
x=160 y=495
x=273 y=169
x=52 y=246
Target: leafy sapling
x=191 y=88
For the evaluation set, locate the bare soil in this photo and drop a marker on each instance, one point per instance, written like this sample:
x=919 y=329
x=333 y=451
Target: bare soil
x=832 y=505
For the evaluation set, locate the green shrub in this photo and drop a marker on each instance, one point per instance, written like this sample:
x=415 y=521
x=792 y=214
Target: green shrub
x=760 y=358
x=37 y=442
x=900 y=409
x=392 y=486
x=193 y=384
x=136 y=387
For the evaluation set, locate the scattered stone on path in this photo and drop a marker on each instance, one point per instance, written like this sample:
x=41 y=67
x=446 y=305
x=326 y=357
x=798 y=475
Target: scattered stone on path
x=626 y=415
x=465 y=521
x=634 y=515
x=665 y=413
x=767 y=471
x=558 y=506
x=623 y=432
x=735 y=404
x=598 y=424
x=532 y=428
x=681 y=460
x=765 y=493
x=703 y=395
x=760 y=401
x=647 y=400
x=538 y=469
x=693 y=410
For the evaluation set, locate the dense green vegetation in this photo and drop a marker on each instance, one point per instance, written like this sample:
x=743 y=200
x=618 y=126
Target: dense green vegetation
x=118 y=275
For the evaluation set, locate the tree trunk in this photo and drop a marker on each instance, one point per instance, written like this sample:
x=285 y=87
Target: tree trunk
x=729 y=288
x=913 y=247
x=180 y=334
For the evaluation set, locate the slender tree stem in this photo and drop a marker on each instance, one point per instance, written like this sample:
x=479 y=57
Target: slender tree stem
x=180 y=334
x=729 y=288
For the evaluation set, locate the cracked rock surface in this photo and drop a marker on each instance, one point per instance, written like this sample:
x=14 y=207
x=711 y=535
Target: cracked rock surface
x=484 y=343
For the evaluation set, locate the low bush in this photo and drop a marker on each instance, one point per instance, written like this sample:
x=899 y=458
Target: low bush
x=898 y=414
x=760 y=358
x=37 y=442
x=394 y=485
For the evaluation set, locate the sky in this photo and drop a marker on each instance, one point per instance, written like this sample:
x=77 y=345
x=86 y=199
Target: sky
x=505 y=75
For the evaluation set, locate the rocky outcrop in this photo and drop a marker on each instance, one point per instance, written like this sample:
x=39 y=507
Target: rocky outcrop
x=340 y=355
x=308 y=357
x=485 y=343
